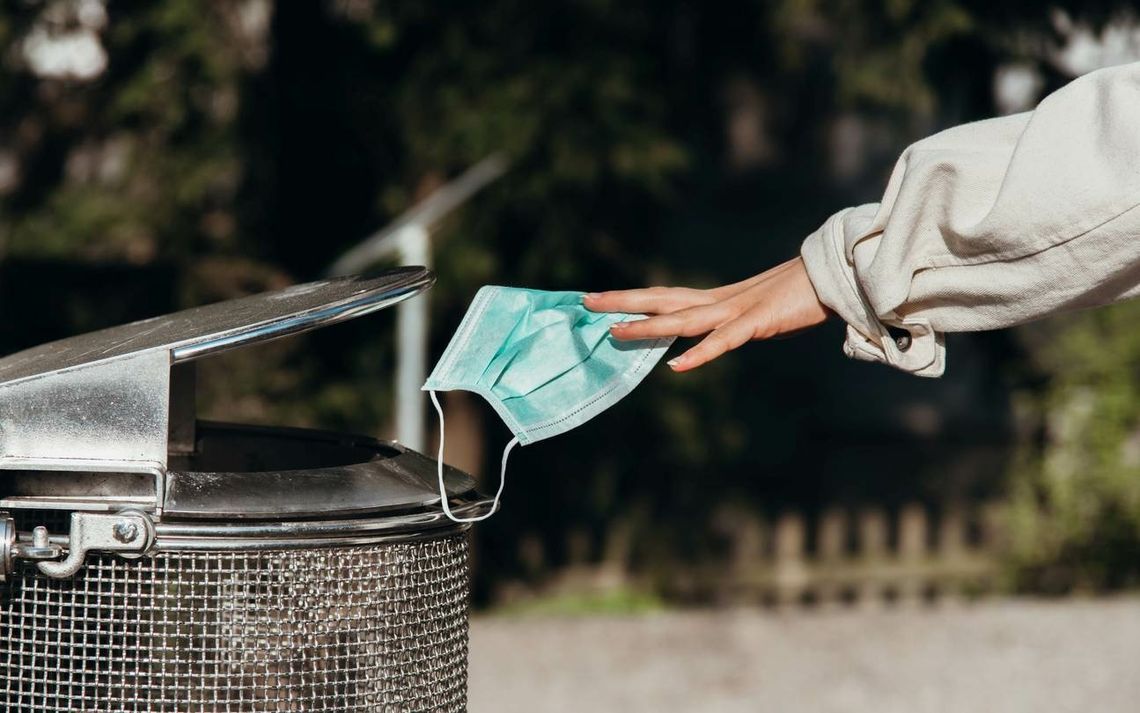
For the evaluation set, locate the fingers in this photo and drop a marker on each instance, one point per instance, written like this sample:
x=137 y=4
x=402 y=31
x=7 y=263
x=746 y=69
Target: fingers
x=667 y=300
x=776 y=302
x=721 y=340
x=650 y=300
x=691 y=322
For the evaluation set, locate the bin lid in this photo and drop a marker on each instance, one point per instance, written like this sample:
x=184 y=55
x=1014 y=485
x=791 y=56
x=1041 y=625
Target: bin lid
x=102 y=401
x=209 y=329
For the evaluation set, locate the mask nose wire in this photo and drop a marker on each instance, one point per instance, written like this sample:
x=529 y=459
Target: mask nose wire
x=439 y=464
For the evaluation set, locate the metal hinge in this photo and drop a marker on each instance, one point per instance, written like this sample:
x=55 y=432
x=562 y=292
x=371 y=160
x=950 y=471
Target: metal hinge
x=128 y=533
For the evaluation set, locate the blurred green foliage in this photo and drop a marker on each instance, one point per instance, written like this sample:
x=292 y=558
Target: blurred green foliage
x=1075 y=497
x=232 y=147
x=620 y=602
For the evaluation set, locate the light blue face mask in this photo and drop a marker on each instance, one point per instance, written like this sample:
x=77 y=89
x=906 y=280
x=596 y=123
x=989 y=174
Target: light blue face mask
x=543 y=361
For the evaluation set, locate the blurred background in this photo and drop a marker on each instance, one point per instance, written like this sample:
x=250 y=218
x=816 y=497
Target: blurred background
x=160 y=155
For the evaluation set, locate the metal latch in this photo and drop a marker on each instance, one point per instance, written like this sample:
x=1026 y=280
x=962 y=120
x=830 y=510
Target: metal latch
x=128 y=533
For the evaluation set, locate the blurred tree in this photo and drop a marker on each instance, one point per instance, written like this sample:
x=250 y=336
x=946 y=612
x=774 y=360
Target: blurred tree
x=139 y=162
x=242 y=145
x=1075 y=508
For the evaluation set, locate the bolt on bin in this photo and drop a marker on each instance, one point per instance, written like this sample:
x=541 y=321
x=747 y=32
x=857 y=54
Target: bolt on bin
x=154 y=562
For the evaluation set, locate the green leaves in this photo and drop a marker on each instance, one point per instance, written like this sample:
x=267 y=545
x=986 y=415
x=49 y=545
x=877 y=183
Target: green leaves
x=1075 y=512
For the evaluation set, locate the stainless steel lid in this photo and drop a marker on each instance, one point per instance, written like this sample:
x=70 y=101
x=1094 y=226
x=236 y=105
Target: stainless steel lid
x=120 y=401
x=217 y=327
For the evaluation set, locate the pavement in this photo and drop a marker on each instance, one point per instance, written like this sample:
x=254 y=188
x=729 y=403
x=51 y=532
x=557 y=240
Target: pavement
x=1005 y=656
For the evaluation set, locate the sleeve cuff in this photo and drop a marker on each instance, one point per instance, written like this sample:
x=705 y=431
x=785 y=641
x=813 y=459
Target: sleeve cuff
x=836 y=284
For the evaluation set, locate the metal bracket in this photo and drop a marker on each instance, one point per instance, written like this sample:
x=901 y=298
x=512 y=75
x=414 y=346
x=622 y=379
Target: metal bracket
x=127 y=533
x=104 y=416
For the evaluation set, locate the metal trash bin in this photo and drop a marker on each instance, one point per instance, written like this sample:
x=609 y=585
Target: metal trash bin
x=156 y=563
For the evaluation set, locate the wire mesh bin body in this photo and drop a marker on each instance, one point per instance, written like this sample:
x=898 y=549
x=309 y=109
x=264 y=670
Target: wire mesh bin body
x=372 y=628
x=246 y=569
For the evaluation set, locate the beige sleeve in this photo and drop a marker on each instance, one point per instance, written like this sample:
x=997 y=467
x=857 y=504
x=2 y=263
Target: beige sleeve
x=991 y=224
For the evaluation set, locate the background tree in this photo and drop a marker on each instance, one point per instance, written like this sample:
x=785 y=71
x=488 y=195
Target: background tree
x=155 y=155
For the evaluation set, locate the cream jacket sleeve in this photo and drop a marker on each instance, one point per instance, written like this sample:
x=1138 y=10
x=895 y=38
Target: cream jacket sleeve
x=991 y=224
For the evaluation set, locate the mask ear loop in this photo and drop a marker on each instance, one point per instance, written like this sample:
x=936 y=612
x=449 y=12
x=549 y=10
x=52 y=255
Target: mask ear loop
x=439 y=463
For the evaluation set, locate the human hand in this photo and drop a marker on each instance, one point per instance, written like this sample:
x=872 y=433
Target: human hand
x=774 y=303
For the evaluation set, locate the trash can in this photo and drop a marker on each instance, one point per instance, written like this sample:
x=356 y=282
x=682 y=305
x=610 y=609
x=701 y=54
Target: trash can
x=153 y=562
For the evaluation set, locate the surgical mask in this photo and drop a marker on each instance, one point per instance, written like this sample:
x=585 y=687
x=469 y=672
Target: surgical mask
x=543 y=361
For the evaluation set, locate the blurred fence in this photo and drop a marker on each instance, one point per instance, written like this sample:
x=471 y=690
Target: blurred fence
x=865 y=557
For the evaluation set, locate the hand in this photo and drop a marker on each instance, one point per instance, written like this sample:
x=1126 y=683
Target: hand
x=773 y=303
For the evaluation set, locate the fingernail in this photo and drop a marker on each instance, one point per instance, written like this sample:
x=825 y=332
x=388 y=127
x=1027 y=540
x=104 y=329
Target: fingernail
x=674 y=362
x=618 y=326
x=591 y=296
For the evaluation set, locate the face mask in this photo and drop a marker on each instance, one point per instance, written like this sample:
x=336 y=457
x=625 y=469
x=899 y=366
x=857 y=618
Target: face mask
x=543 y=361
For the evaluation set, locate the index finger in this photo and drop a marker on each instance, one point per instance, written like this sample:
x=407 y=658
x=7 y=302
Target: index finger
x=648 y=300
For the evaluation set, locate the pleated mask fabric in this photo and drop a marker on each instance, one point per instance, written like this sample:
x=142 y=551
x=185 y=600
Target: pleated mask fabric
x=544 y=362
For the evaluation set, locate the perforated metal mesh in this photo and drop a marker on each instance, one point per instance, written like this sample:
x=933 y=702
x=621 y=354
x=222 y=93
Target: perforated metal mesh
x=378 y=628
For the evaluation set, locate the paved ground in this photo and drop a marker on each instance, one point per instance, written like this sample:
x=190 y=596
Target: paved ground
x=1001 y=656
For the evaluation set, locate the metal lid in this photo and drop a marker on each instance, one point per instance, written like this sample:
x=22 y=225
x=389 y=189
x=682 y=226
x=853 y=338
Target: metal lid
x=102 y=402
x=217 y=327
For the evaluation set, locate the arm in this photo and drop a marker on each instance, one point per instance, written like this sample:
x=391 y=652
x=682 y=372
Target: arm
x=982 y=226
